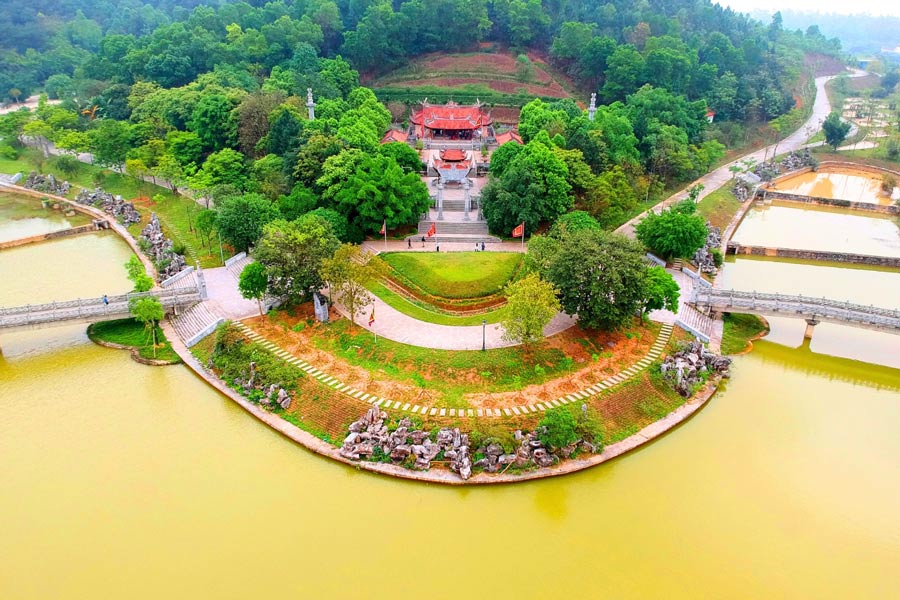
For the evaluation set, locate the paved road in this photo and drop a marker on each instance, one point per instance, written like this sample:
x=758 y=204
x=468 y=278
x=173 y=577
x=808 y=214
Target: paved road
x=719 y=177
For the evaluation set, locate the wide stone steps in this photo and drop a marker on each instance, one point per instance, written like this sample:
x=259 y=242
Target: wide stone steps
x=457 y=205
x=236 y=267
x=454 y=227
x=195 y=323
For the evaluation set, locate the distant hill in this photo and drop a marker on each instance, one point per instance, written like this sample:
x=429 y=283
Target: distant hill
x=859 y=34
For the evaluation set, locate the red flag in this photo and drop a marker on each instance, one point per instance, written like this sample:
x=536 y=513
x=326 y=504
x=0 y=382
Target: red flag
x=372 y=317
x=432 y=230
x=519 y=231
x=383 y=228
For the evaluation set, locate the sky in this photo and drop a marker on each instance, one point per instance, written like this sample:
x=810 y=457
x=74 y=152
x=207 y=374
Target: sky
x=874 y=7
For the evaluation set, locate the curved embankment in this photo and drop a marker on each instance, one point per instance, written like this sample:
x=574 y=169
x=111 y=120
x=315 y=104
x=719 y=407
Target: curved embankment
x=93 y=213
x=311 y=442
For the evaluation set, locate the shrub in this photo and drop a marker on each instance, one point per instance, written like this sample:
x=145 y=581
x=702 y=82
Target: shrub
x=558 y=428
x=717 y=257
x=888 y=183
x=8 y=152
x=589 y=427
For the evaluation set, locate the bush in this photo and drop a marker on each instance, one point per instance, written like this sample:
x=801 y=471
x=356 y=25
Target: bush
x=888 y=183
x=717 y=257
x=558 y=428
x=589 y=427
x=8 y=152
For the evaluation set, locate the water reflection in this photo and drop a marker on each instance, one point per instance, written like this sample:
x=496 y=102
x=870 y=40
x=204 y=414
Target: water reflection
x=782 y=225
x=838 y=183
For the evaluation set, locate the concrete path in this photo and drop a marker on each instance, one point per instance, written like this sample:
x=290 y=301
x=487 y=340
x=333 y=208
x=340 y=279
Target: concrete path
x=224 y=297
x=394 y=325
x=719 y=177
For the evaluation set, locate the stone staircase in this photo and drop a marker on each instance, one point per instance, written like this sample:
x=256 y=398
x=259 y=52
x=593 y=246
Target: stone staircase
x=195 y=323
x=236 y=264
x=456 y=231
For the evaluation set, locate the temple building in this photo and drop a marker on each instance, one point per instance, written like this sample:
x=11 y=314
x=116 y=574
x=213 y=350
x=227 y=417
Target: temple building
x=451 y=121
x=453 y=166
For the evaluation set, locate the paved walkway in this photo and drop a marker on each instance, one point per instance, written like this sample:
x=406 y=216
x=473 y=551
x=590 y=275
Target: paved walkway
x=719 y=177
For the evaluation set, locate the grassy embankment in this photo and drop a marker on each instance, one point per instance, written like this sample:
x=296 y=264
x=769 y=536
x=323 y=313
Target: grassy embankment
x=132 y=333
x=176 y=213
x=719 y=207
x=324 y=412
x=740 y=330
x=448 y=278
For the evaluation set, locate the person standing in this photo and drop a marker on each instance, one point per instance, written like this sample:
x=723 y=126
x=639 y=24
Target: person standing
x=482 y=246
x=409 y=243
x=105 y=300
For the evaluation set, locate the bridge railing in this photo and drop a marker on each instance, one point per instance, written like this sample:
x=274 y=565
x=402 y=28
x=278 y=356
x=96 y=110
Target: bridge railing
x=90 y=307
x=799 y=304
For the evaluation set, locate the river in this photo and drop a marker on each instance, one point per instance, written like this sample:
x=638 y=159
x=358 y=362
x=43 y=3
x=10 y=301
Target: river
x=121 y=480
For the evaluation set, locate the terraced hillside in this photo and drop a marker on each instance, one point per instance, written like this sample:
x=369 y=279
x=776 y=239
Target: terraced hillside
x=492 y=77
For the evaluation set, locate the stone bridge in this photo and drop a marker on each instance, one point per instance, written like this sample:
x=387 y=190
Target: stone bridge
x=814 y=310
x=91 y=310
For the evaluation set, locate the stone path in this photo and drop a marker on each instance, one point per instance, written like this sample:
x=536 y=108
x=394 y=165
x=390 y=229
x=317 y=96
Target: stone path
x=655 y=352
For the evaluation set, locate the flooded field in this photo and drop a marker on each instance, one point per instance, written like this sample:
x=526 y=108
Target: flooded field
x=839 y=183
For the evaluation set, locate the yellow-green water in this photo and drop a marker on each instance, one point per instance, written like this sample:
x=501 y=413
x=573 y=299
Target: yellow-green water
x=22 y=217
x=835 y=230
x=841 y=183
x=125 y=481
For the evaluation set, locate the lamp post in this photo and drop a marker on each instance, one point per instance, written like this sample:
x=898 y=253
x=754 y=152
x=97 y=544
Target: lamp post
x=483 y=325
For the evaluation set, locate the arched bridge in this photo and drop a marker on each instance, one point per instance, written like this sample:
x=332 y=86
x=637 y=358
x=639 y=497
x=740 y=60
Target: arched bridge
x=91 y=310
x=814 y=310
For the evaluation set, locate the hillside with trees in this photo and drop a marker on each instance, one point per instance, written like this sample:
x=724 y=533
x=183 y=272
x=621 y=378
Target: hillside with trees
x=213 y=98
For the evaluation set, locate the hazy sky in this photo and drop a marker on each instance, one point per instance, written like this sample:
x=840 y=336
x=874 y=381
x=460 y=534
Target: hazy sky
x=874 y=7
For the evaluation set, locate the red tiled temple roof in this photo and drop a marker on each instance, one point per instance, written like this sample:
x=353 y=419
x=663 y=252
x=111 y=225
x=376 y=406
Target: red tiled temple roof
x=453 y=155
x=451 y=116
x=508 y=136
x=394 y=135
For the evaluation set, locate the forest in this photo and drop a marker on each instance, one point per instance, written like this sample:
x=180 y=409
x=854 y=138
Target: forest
x=212 y=97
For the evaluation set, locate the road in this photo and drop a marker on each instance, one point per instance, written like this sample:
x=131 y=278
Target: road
x=719 y=177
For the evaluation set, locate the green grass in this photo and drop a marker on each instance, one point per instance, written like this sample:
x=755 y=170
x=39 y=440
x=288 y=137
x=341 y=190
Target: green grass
x=739 y=328
x=719 y=207
x=132 y=333
x=176 y=213
x=456 y=275
x=445 y=374
x=421 y=311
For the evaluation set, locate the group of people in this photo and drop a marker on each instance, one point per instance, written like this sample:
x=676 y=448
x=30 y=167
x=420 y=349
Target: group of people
x=437 y=247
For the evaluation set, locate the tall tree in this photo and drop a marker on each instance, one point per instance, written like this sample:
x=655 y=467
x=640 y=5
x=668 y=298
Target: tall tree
x=349 y=273
x=241 y=219
x=530 y=305
x=253 y=283
x=149 y=311
x=293 y=252
x=601 y=278
x=835 y=129
x=675 y=232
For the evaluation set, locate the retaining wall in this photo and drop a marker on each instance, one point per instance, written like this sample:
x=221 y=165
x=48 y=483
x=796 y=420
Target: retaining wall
x=48 y=236
x=817 y=255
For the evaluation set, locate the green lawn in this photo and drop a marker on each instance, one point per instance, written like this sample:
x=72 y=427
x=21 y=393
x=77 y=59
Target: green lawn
x=739 y=328
x=719 y=207
x=131 y=332
x=423 y=312
x=456 y=274
x=447 y=374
